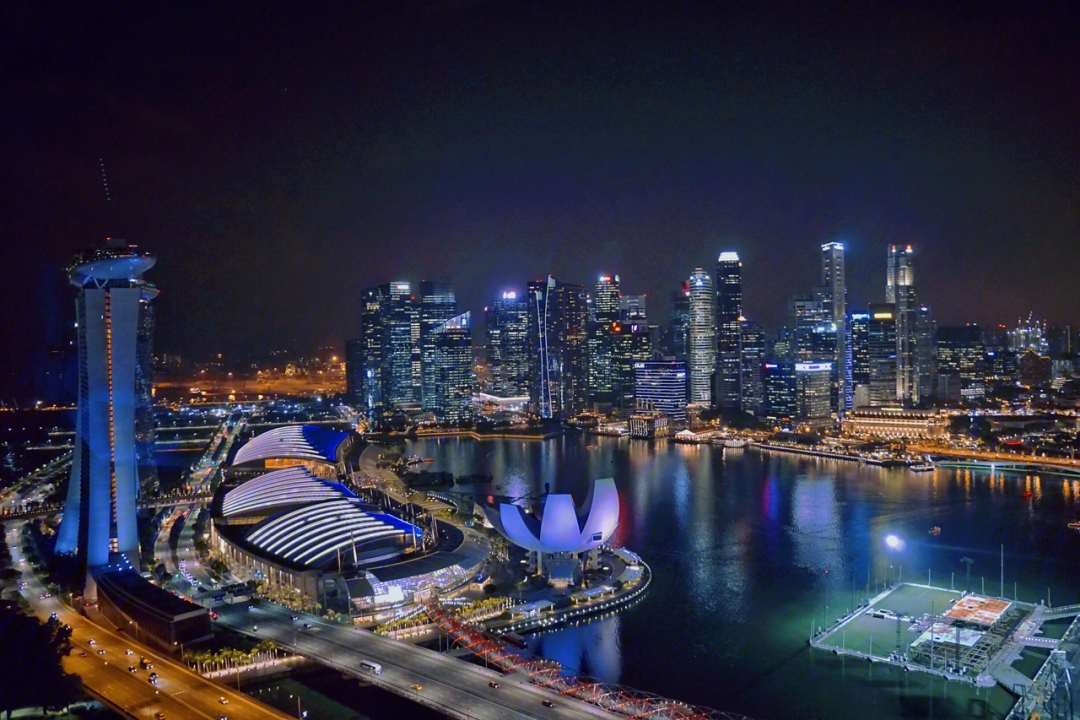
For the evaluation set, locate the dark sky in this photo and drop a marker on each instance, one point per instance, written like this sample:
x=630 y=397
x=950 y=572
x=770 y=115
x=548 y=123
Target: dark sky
x=279 y=158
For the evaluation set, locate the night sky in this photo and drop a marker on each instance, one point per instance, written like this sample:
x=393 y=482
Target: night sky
x=280 y=158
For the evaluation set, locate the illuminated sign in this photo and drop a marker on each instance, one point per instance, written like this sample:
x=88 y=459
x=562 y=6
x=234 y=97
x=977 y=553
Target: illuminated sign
x=728 y=257
x=813 y=367
x=883 y=316
x=509 y=296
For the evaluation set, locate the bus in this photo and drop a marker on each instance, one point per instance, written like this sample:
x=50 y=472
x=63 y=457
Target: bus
x=372 y=667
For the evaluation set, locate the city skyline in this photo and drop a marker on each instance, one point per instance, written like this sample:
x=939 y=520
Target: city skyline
x=763 y=131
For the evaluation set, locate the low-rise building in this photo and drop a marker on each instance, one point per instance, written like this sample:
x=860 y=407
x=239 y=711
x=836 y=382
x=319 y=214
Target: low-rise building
x=887 y=422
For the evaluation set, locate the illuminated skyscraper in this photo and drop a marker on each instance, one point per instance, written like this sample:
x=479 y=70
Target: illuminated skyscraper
x=388 y=324
x=900 y=291
x=437 y=305
x=835 y=296
x=881 y=351
x=506 y=323
x=701 y=336
x=601 y=340
x=558 y=357
x=451 y=368
x=663 y=385
x=751 y=357
x=99 y=516
x=728 y=315
x=677 y=335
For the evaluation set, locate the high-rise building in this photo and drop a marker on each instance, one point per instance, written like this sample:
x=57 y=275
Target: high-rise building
x=834 y=284
x=389 y=331
x=601 y=340
x=961 y=364
x=632 y=309
x=925 y=354
x=860 y=348
x=558 y=359
x=144 y=397
x=506 y=322
x=354 y=370
x=813 y=392
x=881 y=351
x=99 y=516
x=1029 y=334
x=663 y=385
x=752 y=355
x=632 y=344
x=437 y=305
x=781 y=396
x=451 y=368
x=701 y=336
x=900 y=291
x=728 y=316
x=676 y=339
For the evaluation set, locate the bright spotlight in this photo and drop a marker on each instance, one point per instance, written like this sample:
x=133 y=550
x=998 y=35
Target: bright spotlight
x=892 y=541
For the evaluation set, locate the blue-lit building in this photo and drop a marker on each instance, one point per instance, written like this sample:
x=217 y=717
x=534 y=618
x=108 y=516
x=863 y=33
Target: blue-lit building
x=662 y=384
x=390 y=355
x=99 y=515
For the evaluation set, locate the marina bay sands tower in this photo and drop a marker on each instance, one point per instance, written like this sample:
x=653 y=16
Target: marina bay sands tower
x=99 y=516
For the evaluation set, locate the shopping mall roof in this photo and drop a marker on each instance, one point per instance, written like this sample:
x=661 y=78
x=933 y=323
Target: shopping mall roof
x=279 y=489
x=978 y=609
x=299 y=442
x=314 y=534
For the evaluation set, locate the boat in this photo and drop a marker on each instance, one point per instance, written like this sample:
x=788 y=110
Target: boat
x=590 y=447
x=1075 y=525
x=1026 y=495
x=935 y=530
x=734 y=443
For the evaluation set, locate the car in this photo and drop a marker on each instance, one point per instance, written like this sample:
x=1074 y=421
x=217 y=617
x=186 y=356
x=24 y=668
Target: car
x=153 y=675
x=547 y=703
x=152 y=681
x=223 y=700
x=493 y=684
x=128 y=652
x=82 y=654
x=132 y=668
x=100 y=652
x=159 y=715
x=292 y=617
x=417 y=688
x=52 y=616
x=307 y=626
x=91 y=642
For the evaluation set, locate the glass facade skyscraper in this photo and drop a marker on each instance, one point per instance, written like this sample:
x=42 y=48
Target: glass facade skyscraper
x=437 y=304
x=728 y=316
x=834 y=285
x=558 y=357
x=451 y=369
x=663 y=384
x=900 y=291
x=506 y=325
x=601 y=339
x=701 y=336
x=881 y=351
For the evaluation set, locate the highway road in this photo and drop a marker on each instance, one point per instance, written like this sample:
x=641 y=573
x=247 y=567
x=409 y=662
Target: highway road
x=179 y=693
x=449 y=685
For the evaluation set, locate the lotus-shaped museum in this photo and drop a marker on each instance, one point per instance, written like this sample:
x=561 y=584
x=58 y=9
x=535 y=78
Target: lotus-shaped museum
x=562 y=526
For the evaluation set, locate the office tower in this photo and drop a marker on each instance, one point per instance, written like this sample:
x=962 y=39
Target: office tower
x=632 y=309
x=663 y=384
x=601 y=342
x=144 y=397
x=751 y=358
x=882 y=348
x=354 y=370
x=389 y=329
x=1060 y=341
x=451 y=368
x=99 y=516
x=437 y=304
x=925 y=354
x=961 y=364
x=558 y=361
x=834 y=284
x=728 y=316
x=813 y=392
x=701 y=336
x=506 y=323
x=369 y=371
x=900 y=291
x=781 y=398
x=632 y=344
x=676 y=340
x=860 y=348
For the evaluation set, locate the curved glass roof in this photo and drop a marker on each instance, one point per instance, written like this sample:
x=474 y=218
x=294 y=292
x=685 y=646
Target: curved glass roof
x=313 y=534
x=561 y=527
x=290 y=486
x=299 y=442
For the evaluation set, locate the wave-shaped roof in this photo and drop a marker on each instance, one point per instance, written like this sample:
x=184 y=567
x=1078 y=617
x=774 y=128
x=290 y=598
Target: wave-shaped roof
x=298 y=442
x=280 y=488
x=562 y=526
x=312 y=535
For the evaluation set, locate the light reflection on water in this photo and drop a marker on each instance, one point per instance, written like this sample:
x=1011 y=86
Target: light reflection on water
x=739 y=545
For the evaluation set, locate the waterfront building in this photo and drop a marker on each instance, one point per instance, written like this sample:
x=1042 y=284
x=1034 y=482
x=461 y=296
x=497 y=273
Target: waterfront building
x=663 y=385
x=647 y=423
x=834 y=285
x=558 y=359
x=961 y=364
x=752 y=355
x=881 y=351
x=701 y=336
x=631 y=344
x=728 y=316
x=437 y=304
x=813 y=388
x=506 y=323
x=781 y=394
x=451 y=369
x=894 y=423
x=99 y=515
x=389 y=328
x=900 y=292
x=603 y=321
